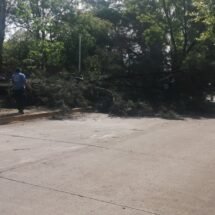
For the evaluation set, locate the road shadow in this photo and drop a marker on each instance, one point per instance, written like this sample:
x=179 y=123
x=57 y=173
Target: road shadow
x=204 y=111
x=8 y=115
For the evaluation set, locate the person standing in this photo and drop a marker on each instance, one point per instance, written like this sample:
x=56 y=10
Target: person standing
x=19 y=86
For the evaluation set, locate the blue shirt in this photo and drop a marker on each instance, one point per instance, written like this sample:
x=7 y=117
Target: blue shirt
x=19 y=81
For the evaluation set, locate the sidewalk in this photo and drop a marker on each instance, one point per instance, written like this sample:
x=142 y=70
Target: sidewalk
x=10 y=115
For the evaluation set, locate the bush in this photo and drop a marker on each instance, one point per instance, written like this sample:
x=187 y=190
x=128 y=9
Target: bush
x=130 y=108
x=57 y=92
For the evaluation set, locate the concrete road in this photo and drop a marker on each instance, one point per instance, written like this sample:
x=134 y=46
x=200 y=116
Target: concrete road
x=96 y=165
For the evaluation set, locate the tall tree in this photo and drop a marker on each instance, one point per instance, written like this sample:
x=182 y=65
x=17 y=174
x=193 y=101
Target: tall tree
x=2 y=29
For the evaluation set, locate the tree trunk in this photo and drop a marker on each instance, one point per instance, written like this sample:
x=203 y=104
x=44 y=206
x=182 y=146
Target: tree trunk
x=2 y=29
x=174 y=48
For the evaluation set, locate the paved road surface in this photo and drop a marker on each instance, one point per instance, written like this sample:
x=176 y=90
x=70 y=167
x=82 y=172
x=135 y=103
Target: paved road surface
x=96 y=165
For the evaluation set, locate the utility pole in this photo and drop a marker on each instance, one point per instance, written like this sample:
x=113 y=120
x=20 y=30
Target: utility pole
x=80 y=54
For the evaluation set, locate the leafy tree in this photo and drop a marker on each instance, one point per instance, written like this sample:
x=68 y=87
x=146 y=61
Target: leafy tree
x=2 y=28
x=144 y=49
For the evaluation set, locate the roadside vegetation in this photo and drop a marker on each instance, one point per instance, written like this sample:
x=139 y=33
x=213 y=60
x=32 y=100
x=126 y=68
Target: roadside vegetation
x=126 y=57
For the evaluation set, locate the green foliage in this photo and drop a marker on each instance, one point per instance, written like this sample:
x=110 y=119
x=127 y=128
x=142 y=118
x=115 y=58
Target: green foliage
x=144 y=50
x=3 y=9
x=205 y=14
x=59 y=92
x=46 y=52
x=122 y=107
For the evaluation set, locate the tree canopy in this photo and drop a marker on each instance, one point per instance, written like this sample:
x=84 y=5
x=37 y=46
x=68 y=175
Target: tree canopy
x=139 y=48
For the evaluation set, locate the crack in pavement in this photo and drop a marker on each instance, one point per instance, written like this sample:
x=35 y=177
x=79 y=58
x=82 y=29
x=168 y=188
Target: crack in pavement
x=98 y=146
x=52 y=140
x=124 y=137
x=47 y=159
x=78 y=195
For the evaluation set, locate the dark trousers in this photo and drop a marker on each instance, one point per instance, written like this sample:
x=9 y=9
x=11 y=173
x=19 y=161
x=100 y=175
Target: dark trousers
x=20 y=98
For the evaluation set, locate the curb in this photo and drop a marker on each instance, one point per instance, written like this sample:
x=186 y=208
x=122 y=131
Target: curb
x=31 y=116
